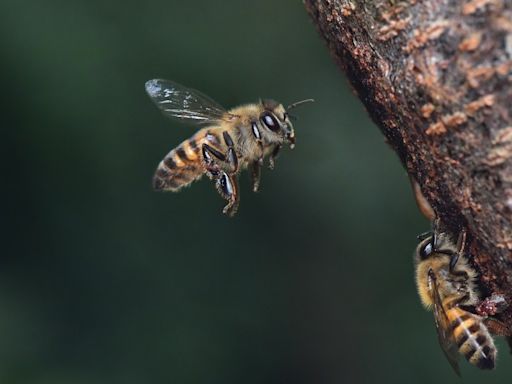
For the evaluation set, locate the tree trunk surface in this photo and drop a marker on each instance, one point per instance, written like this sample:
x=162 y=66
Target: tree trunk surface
x=435 y=76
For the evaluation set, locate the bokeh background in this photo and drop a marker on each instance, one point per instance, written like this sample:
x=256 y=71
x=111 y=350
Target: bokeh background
x=103 y=280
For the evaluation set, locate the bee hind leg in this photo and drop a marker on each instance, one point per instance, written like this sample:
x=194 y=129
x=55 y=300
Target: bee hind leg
x=225 y=179
x=227 y=186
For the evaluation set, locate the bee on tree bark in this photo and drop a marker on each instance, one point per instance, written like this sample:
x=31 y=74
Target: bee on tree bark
x=230 y=141
x=447 y=284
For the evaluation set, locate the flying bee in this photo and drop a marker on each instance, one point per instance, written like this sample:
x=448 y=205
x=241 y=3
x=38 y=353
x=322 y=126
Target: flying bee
x=230 y=141
x=446 y=284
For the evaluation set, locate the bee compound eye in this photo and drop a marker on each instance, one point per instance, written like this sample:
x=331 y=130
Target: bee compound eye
x=270 y=121
x=426 y=250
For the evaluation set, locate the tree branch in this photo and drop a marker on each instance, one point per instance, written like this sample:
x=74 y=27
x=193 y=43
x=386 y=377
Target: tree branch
x=436 y=76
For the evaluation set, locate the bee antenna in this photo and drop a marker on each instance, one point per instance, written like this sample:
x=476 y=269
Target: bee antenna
x=297 y=103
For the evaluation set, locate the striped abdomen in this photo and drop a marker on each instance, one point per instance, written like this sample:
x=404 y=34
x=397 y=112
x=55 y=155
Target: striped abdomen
x=472 y=338
x=181 y=166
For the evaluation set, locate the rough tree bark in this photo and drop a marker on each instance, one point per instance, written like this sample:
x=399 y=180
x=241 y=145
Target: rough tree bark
x=435 y=76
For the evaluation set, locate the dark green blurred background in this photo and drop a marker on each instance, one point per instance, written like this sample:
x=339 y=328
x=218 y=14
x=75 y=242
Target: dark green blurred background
x=105 y=281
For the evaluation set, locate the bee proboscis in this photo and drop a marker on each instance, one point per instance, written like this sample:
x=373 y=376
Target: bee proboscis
x=230 y=141
x=446 y=284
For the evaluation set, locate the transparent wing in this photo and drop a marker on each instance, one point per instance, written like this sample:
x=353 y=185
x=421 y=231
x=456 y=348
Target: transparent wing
x=443 y=329
x=184 y=104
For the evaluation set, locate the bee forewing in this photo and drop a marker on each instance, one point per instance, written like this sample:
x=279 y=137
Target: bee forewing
x=446 y=341
x=445 y=336
x=184 y=104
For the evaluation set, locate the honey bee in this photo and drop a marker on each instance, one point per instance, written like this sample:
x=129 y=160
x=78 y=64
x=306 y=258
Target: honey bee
x=446 y=284
x=230 y=141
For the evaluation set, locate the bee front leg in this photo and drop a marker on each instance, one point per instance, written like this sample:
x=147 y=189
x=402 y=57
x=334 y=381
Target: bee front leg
x=273 y=156
x=461 y=245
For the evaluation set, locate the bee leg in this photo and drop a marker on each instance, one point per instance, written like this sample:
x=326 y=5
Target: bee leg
x=424 y=235
x=273 y=156
x=435 y=228
x=454 y=256
x=461 y=245
x=255 y=175
x=211 y=158
x=227 y=185
x=231 y=157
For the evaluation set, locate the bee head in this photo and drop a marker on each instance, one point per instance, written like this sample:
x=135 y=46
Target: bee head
x=274 y=117
x=435 y=245
x=277 y=124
